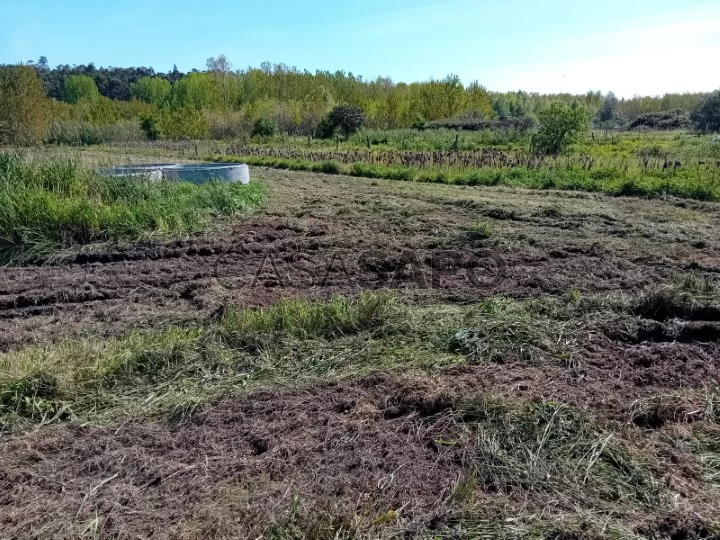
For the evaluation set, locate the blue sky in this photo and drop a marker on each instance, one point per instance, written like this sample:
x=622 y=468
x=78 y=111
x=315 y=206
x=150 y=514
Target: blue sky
x=643 y=47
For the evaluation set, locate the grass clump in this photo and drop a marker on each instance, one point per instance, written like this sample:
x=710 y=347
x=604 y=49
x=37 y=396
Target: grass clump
x=479 y=231
x=500 y=328
x=302 y=319
x=54 y=206
x=34 y=396
x=545 y=447
x=691 y=296
x=611 y=180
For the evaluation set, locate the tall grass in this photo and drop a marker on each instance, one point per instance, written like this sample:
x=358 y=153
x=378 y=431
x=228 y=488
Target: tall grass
x=53 y=206
x=79 y=133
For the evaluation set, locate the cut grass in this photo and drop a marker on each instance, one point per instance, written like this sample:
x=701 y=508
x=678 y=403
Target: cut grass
x=54 y=206
x=545 y=447
x=293 y=341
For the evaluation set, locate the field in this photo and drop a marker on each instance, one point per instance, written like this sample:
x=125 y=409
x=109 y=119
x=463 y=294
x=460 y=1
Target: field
x=336 y=356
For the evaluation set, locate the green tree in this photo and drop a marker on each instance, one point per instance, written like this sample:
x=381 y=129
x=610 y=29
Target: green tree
x=347 y=119
x=183 y=123
x=24 y=107
x=198 y=91
x=560 y=126
x=478 y=100
x=608 y=112
x=155 y=90
x=80 y=87
x=706 y=116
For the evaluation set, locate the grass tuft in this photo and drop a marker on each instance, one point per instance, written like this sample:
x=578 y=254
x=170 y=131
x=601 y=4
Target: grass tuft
x=255 y=330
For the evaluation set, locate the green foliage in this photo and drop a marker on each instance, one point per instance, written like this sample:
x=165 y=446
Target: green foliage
x=49 y=207
x=150 y=124
x=325 y=128
x=33 y=396
x=154 y=90
x=183 y=123
x=197 y=91
x=683 y=183
x=706 y=116
x=560 y=126
x=24 y=109
x=608 y=114
x=80 y=87
x=264 y=128
x=347 y=119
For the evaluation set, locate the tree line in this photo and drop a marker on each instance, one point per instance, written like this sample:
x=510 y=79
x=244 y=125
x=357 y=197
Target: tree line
x=222 y=102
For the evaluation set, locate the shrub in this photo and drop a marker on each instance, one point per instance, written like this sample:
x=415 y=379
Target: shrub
x=150 y=125
x=560 y=126
x=325 y=129
x=264 y=128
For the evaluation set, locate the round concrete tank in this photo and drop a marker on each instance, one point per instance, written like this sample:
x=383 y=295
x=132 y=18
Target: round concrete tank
x=203 y=172
x=152 y=171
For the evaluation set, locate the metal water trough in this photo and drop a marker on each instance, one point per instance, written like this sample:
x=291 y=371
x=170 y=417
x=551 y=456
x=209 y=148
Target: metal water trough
x=196 y=173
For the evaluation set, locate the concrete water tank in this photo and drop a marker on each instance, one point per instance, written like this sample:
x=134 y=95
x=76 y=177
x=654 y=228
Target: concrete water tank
x=152 y=171
x=202 y=172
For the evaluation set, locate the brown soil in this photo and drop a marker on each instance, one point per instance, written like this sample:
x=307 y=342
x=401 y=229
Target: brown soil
x=356 y=448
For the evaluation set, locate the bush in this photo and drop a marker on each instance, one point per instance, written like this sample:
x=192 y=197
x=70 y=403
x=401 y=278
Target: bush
x=560 y=126
x=706 y=116
x=325 y=129
x=183 y=123
x=264 y=128
x=150 y=125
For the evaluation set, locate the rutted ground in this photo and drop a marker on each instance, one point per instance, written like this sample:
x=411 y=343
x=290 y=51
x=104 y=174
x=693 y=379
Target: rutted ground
x=323 y=235
x=580 y=403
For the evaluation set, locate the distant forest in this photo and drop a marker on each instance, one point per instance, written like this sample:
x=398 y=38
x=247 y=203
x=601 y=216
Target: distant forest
x=223 y=102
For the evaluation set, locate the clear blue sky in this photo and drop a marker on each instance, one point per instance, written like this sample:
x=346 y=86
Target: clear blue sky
x=628 y=46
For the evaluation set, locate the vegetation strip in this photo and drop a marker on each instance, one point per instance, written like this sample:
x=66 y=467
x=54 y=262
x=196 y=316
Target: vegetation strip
x=610 y=181
x=54 y=206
